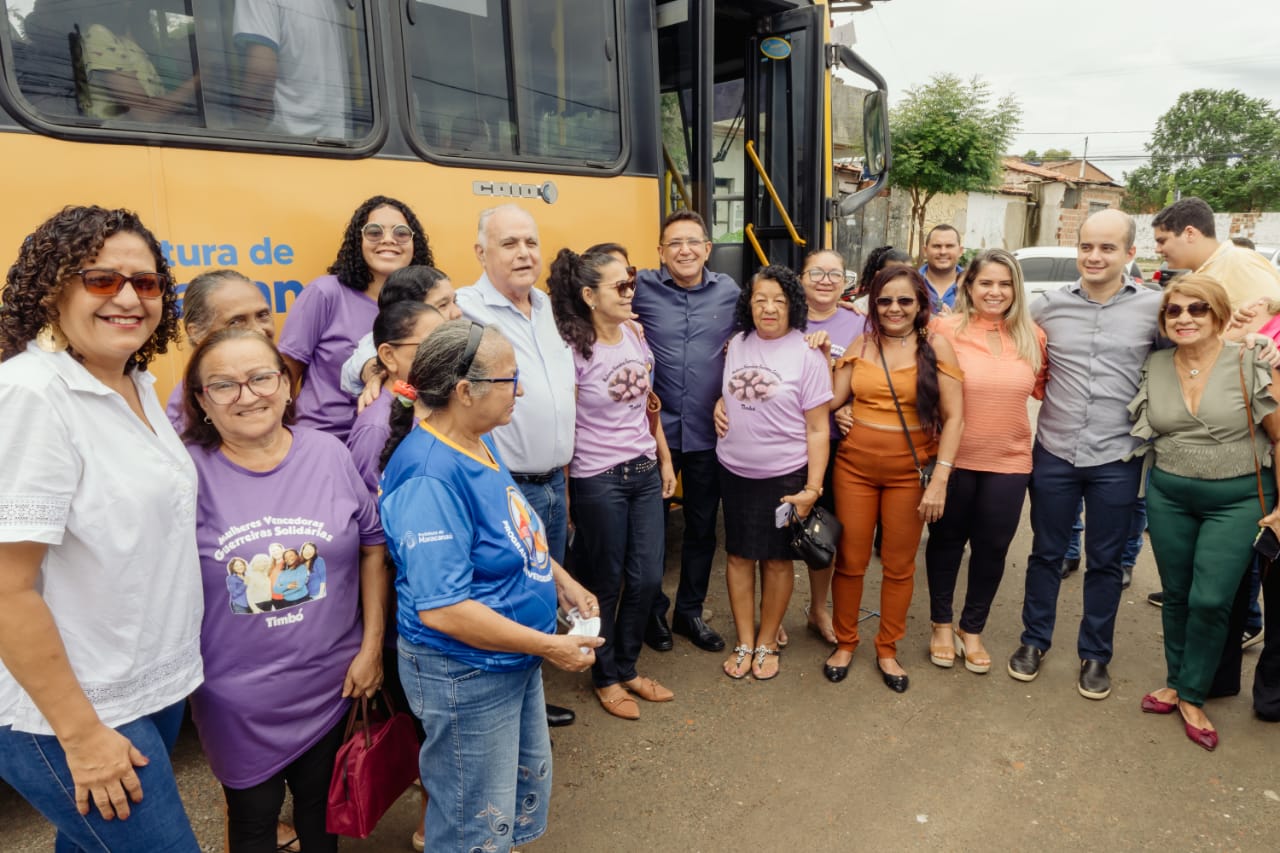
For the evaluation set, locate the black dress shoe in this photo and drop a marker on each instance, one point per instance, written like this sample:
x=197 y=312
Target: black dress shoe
x=557 y=716
x=657 y=634
x=1094 y=682
x=835 y=674
x=1069 y=566
x=1156 y=598
x=1024 y=665
x=699 y=633
x=896 y=683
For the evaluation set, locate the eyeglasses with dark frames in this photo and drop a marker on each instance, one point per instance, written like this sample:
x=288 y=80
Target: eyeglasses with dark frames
x=102 y=282
x=225 y=392
x=1195 y=309
x=903 y=301
x=514 y=378
x=624 y=288
x=817 y=275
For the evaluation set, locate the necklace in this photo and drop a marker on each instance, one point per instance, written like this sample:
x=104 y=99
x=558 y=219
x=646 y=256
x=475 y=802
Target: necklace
x=1194 y=372
x=901 y=339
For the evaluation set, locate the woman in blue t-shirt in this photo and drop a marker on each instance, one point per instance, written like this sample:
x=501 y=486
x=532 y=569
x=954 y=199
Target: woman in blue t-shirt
x=476 y=596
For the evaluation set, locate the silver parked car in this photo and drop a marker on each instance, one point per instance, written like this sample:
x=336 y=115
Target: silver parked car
x=1053 y=267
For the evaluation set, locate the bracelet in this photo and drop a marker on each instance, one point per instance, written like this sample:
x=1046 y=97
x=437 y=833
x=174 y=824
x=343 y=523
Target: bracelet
x=817 y=490
x=945 y=463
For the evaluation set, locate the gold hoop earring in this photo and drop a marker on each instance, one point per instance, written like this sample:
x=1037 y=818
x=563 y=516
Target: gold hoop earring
x=51 y=339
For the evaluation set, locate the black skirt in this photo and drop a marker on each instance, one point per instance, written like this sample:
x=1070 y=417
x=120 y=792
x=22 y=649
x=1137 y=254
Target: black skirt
x=750 y=529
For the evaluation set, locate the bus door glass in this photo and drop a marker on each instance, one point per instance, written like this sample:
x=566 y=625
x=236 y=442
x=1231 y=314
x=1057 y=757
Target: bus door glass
x=785 y=162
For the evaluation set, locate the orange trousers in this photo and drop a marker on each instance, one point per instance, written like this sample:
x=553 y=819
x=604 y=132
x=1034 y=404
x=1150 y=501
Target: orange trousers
x=876 y=482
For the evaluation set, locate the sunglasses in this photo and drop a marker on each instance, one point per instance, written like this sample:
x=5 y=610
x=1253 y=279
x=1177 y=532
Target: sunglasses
x=148 y=285
x=514 y=378
x=1195 y=309
x=624 y=288
x=373 y=232
x=887 y=301
x=816 y=275
x=224 y=393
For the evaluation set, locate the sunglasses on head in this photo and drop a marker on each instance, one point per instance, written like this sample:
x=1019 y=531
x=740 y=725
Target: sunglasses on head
x=373 y=232
x=1195 y=309
x=148 y=285
x=903 y=301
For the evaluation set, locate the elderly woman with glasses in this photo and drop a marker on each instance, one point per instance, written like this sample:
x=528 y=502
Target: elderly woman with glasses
x=334 y=311
x=96 y=488
x=477 y=592
x=268 y=720
x=621 y=468
x=1207 y=408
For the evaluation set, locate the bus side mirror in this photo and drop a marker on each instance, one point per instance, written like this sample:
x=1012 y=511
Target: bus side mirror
x=875 y=133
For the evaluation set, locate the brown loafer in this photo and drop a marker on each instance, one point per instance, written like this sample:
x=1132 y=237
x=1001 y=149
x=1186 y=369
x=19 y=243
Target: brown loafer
x=649 y=690
x=618 y=702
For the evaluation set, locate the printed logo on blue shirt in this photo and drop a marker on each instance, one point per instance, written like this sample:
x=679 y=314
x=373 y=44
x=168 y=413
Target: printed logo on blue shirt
x=528 y=534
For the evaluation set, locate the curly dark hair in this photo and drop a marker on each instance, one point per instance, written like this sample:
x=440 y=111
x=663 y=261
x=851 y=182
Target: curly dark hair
x=927 y=399
x=63 y=244
x=876 y=260
x=570 y=272
x=198 y=430
x=797 y=305
x=350 y=267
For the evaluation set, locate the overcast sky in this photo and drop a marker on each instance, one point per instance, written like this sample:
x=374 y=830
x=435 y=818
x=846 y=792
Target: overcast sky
x=1106 y=69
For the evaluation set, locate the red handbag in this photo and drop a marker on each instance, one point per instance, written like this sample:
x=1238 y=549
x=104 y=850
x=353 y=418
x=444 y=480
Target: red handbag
x=377 y=762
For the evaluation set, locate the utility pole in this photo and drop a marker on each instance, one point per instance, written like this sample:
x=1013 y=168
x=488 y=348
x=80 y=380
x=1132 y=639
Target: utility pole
x=1085 y=158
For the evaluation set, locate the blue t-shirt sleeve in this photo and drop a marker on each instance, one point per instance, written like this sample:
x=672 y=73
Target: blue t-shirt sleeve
x=430 y=531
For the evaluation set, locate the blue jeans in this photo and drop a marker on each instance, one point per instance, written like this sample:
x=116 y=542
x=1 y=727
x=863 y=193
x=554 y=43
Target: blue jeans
x=700 y=485
x=36 y=767
x=486 y=761
x=619 y=549
x=547 y=500
x=1132 y=548
x=1109 y=492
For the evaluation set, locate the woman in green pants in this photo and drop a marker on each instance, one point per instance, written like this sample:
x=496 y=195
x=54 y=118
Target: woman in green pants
x=1207 y=410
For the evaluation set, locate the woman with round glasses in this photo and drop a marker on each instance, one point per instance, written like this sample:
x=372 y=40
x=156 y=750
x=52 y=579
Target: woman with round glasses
x=823 y=280
x=1002 y=353
x=271 y=720
x=1207 y=408
x=906 y=401
x=621 y=468
x=332 y=313
x=96 y=488
x=477 y=592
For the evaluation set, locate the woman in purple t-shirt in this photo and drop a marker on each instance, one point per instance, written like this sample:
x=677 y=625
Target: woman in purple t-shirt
x=775 y=391
x=271 y=719
x=620 y=471
x=334 y=311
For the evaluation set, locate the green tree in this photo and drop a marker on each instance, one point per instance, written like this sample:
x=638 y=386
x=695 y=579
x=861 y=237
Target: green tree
x=1056 y=154
x=947 y=138
x=1220 y=145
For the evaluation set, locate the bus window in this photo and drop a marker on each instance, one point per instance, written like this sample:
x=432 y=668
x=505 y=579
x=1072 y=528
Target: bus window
x=292 y=69
x=536 y=81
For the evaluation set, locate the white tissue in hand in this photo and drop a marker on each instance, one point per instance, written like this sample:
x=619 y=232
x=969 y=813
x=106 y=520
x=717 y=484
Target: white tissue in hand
x=581 y=626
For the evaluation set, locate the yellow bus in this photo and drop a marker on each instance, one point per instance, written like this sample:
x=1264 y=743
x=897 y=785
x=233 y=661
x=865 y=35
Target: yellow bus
x=274 y=119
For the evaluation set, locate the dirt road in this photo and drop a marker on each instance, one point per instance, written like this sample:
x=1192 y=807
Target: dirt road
x=959 y=762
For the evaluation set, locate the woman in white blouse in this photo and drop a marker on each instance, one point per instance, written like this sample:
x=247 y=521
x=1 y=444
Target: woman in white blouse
x=96 y=488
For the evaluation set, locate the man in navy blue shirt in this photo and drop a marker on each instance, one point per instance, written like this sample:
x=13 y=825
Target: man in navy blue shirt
x=687 y=312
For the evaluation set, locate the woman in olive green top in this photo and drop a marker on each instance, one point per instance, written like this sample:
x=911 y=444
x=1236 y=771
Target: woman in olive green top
x=1204 y=498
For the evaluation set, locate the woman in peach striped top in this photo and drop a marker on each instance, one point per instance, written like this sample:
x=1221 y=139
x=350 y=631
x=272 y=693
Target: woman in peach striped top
x=1002 y=353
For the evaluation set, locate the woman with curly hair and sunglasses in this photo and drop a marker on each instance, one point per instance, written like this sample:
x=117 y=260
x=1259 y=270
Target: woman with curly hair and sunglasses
x=97 y=487
x=334 y=311
x=906 y=399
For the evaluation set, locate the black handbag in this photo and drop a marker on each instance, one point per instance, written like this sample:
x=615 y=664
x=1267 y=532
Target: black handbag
x=814 y=538
x=926 y=470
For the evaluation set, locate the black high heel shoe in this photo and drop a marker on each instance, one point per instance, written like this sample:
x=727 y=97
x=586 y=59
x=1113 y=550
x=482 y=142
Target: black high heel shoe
x=896 y=683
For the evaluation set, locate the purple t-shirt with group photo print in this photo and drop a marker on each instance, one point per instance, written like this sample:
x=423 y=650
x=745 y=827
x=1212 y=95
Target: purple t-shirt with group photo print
x=280 y=558
x=324 y=325
x=768 y=386
x=612 y=426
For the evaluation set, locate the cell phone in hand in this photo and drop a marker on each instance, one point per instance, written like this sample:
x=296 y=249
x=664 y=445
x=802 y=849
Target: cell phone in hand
x=782 y=515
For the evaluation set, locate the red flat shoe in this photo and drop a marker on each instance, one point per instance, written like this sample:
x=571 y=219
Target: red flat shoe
x=1207 y=738
x=1152 y=705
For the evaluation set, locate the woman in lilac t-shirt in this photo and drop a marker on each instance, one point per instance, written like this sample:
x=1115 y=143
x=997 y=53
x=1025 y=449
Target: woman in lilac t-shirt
x=775 y=390
x=620 y=471
x=334 y=311
x=271 y=718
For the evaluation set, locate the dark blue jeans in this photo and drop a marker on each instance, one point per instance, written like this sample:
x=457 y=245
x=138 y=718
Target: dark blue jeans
x=1132 y=548
x=701 y=501
x=36 y=767
x=1109 y=493
x=547 y=500
x=619 y=546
